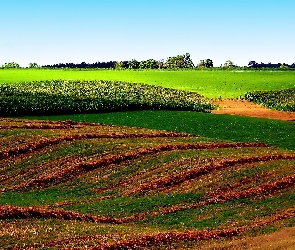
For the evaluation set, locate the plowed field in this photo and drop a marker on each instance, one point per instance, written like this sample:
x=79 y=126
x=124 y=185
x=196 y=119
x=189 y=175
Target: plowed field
x=71 y=185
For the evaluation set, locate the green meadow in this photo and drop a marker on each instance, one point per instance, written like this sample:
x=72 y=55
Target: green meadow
x=210 y=83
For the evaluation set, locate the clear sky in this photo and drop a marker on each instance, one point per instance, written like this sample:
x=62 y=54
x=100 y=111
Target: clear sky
x=54 y=31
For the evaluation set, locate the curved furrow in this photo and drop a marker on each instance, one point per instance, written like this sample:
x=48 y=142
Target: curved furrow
x=169 y=181
x=53 y=141
x=135 y=176
x=239 y=184
x=24 y=124
x=15 y=212
x=84 y=167
x=22 y=174
x=268 y=188
x=40 y=126
x=157 y=239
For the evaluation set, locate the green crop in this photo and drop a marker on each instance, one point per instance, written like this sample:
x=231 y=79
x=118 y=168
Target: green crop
x=210 y=83
x=64 y=97
x=280 y=100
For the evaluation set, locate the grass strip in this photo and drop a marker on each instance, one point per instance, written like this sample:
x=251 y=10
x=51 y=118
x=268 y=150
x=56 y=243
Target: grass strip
x=221 y=127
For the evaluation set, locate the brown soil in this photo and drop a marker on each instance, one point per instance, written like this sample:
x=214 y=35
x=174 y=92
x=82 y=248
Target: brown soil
x=246 y=108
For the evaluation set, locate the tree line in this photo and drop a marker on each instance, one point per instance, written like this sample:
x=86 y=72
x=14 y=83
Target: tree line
x=174 y=62
x=253 y=64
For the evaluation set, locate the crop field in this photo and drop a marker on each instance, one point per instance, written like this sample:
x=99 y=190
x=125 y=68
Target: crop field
x=211 y=84
x=66 y=97
x=124 y=159
x=77 y=185
x=280 y=99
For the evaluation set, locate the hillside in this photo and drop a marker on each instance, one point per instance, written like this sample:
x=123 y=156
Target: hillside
x=72 y=185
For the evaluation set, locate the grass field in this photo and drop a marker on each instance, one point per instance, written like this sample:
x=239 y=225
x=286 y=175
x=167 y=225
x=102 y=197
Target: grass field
x=222 y=127
x=212 y=84
x=151 y=179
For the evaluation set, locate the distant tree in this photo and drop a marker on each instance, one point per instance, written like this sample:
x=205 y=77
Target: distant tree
x=202 y=64
x=284 y=66
x=252 y=64
x=148 y=64
x=188 y=63
x=11 y=65
x=33 y=65
x=133 y=64
x=179 y=61
x=208 y=63
x=160 y=63
x=151 y=64
x=228 y=64
x=119 y=65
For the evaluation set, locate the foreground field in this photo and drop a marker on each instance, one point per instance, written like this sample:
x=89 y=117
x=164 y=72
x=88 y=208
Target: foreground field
x=78 y=185
x=211 y=84
x=223 y=127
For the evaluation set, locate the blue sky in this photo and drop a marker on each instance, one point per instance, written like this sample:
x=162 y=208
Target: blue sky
x=53 y=31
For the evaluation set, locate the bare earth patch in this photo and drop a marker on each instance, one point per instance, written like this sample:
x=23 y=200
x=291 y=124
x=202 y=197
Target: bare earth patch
x=246 y=108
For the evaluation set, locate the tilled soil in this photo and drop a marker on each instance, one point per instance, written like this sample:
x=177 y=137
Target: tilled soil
x=246 y=108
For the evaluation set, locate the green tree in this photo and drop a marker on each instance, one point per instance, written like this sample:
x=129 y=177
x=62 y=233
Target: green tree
x=133 y=64
x=208 y=63
x=160 y=63
x=179 y=61
x=11 y=65
x=188 y=61
x=228 y=64
x=119 y=65
x=202 y=64
x=149 y=64
x=33 y=65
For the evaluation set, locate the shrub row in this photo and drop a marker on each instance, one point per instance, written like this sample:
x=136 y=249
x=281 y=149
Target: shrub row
x=67 y=97
x=280 y=100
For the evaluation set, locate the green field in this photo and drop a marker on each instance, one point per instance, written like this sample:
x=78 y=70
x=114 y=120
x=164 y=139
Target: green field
x=150 y=179
x=211 y=84
x=221 y=127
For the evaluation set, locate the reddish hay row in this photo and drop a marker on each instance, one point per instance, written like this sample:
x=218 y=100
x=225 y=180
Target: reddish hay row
x=265 y=189
x=84 y=167
x=53 y=141
x=270 y=188
x=40 y=126
x=177 y=179
x=23 y=124
x=162 y=239
x=135 y=176
x=239 y=184
x=13 y=212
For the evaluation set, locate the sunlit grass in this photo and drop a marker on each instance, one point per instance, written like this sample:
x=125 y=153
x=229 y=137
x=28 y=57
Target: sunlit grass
x=212 y=84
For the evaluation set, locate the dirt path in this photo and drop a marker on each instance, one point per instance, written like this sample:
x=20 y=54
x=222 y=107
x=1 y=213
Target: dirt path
x=246 y=108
